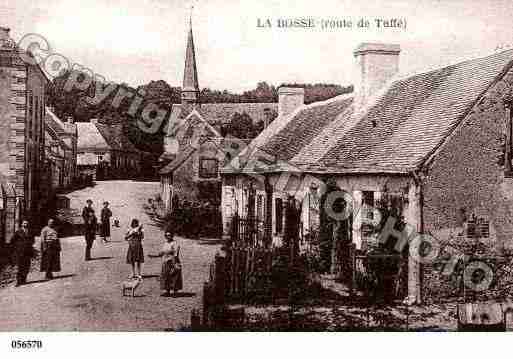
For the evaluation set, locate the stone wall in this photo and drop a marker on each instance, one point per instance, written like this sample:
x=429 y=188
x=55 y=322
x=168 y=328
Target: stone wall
x=465 y=175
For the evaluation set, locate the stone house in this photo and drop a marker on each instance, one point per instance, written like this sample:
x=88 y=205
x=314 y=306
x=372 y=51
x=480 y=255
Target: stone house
x=22 y=111
x=55 y=149
x=93 y=151
x=193 y=139
x=104 y=152
x=64 y=138
x=435 y=147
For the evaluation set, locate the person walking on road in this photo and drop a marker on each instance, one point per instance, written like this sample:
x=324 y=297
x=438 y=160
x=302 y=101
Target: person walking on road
x=135 y=253
x=90 y=223
x=171 y=274
x=105 y=218
x=23 y=242
x=50 y=250
x=90 y=234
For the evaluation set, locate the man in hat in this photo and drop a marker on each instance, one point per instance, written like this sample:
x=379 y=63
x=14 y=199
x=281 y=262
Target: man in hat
x=90 y=223
x=23 y=242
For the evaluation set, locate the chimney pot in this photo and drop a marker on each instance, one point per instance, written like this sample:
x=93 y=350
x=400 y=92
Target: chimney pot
x=4 y=33
x=289 y=99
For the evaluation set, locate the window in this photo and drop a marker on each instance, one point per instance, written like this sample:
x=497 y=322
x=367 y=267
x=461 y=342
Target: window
x=368 y=204
x=260 y=207
x=278 y=205
x=208 y=168
x=100 y=158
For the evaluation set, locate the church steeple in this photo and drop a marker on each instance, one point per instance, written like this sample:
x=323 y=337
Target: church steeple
x=190 y=87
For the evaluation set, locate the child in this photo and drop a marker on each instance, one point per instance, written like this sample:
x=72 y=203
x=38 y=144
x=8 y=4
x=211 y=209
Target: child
x=135 y=254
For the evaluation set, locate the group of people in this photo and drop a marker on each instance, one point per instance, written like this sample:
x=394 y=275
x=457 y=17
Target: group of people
x=171 y=270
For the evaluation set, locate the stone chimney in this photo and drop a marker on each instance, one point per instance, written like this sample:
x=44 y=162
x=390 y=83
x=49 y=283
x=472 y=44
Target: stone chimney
x=4 y=33
x=376 y=64
x=69 y=119
x=289 y=99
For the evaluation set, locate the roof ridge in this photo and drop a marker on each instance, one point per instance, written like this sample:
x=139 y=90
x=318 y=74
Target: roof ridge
x=401 y=77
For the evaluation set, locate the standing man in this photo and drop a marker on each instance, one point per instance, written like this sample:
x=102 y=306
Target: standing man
x=90 y=227
x=50 y=250
x=23 y=243
x=105 y=218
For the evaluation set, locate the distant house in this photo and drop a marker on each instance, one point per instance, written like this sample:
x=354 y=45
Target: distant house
x=93 y=151
x=55 y=150
x=193 y=143
x=434 y=149
x=65 y=134
x=104 y=152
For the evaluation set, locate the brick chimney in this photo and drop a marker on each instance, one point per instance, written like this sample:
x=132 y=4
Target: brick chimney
x=376 y=64
x=289 y=99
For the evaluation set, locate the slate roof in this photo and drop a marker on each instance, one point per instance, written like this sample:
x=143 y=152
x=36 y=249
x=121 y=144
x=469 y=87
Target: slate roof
x=414 y=117
x=219 y=113
x=55 y=127
x=401 y=127
x=90 y=138
x=180 y=158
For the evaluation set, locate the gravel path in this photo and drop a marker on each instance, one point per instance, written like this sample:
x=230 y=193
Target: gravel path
x=86 y=296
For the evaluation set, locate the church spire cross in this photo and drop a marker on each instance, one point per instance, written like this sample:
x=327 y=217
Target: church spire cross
x=190 y=87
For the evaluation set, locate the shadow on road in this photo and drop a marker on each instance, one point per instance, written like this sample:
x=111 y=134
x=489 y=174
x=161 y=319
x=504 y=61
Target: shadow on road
x=48 y=280
x=146 y=276
x=100 y=258
x=183 y=295
x=211 y=242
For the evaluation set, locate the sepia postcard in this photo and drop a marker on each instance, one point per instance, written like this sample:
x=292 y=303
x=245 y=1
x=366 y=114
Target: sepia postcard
x=271 y=166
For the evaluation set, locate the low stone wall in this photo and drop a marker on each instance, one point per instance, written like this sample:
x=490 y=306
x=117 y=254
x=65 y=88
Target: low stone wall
x=443 y=279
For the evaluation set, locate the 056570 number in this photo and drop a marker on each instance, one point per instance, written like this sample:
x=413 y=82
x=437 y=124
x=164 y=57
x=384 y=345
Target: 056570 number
x=26 y=344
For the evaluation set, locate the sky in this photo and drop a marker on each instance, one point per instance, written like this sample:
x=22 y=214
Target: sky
x=136 y=41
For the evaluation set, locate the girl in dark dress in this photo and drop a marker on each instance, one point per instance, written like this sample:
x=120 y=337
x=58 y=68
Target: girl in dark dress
x=135 y=254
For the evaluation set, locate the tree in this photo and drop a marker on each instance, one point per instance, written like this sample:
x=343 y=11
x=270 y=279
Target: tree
x=241 y=125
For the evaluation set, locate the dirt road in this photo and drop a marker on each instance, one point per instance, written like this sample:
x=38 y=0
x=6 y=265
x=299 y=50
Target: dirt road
x=86 y=296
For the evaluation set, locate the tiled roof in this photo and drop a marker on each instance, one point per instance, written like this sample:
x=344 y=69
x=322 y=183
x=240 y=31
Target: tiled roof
x=303 y=127
x=182 y=156
x=414 y=116
x=89 y=138
x=55 y=128
x=219 y=113
x=287 y=135
x=400 y=128
x=54 y=122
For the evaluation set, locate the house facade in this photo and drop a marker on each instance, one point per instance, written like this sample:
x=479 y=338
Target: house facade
x=104 y=152
x=61 y=149
x=194 y=144
x=432 y=151
x=22 y=111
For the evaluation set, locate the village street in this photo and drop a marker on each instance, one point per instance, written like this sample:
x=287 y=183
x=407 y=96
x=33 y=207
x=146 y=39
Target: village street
x=86 y=296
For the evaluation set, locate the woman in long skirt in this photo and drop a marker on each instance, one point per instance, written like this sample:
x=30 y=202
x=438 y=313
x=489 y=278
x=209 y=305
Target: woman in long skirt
x=105 y=226
x=171 y=274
